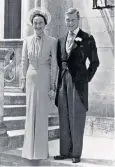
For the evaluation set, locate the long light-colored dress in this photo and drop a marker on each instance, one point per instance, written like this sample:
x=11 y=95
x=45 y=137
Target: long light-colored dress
x=39 y=68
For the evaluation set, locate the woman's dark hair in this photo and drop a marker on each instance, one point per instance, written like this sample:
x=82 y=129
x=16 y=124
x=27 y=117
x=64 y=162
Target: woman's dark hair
x=45 y=21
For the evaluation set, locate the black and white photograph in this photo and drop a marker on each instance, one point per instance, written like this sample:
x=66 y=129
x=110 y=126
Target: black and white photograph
x=57 y=83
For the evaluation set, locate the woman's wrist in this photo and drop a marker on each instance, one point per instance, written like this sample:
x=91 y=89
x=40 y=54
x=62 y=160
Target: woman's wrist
x=53 y=86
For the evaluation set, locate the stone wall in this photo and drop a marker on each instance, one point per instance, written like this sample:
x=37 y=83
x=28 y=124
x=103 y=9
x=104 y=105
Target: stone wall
x=107 y=13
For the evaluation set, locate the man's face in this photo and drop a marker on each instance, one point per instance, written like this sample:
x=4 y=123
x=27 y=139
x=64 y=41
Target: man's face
x=72 y=21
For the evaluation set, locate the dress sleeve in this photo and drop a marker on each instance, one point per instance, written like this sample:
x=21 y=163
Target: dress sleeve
x=24 y=60
x=54 y=66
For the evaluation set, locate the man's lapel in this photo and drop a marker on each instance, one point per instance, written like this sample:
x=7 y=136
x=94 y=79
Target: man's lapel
x=64 y=45
x=80 y=33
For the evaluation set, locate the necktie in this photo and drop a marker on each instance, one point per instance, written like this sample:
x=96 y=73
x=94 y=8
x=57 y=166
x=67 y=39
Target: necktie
x=70 y=41
x=71 y=33
x=70 y=37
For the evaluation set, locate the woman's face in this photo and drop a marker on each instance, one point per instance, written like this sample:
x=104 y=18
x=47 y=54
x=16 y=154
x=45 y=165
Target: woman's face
x=38 y=24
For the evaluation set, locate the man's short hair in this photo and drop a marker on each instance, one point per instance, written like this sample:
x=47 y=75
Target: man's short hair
x=72 y=11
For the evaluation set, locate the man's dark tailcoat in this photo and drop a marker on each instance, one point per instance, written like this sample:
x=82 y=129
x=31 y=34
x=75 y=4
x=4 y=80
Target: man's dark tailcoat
x=72 y=90
x=76 y=63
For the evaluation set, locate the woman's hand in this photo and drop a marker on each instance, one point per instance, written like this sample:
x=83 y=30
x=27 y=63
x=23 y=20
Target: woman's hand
x=52 y=95
x=23 y=84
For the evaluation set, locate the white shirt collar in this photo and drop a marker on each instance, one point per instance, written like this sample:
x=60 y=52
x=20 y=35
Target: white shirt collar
x=76 y=31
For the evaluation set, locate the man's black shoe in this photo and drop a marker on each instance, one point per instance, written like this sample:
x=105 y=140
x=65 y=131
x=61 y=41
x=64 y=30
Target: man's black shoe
x=60 y=157
x=75 y=160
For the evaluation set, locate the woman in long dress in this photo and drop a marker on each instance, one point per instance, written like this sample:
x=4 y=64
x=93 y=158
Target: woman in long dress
x=39 y=71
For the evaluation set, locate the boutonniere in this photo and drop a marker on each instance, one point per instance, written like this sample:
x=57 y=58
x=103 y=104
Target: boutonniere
x=78 y=39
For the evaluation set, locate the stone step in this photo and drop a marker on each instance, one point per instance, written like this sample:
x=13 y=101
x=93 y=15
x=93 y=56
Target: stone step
x=14 y=110
x=10 y=89
x=14 y=98
x=16 y=137
x=20 y=111
x=100 y=127
x=94 y=126
x=99 y=154
x=17 y=123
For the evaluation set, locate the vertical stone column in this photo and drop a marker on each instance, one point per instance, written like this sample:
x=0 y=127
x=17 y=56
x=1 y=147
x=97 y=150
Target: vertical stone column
x=38 y=3
x=57 y=10
x=26 y=30
x=3 y=128
x=65 y=4
x=2 y=3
